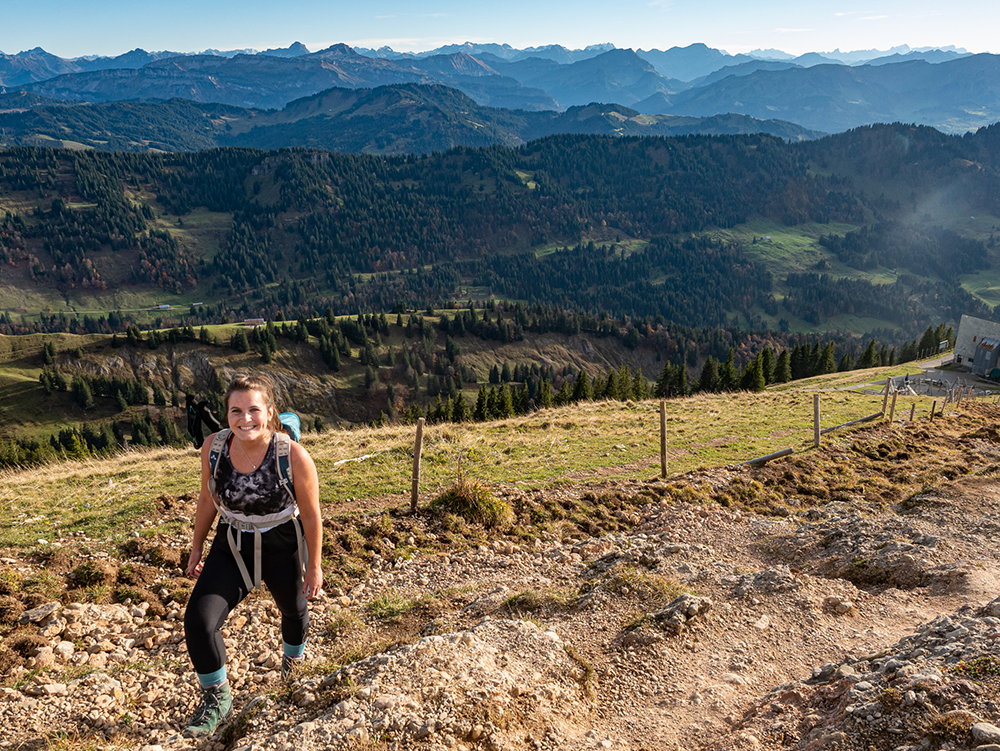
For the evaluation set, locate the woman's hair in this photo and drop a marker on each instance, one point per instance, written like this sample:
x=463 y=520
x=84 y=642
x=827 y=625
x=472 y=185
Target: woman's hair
x=262 y=385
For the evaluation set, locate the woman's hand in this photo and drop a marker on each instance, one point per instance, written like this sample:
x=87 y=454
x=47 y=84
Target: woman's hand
x=194 y=564
x=313 y=582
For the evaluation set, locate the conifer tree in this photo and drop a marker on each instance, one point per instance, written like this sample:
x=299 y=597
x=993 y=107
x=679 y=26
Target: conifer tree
x=479 y=413
x=564 y=395
x=544 y=398
x=869 y=358
x=505 y=402
x=783 y=367
x=459 y=408
x=768 y=363
x=683 y=388
x=664 y=384
x=609 y=388
x=753 y=375
x=708 y=381
x=827 y=360
x=728 y=377
x=581 y=387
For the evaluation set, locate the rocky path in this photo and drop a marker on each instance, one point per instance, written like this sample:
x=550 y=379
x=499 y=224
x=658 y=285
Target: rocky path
x=851 y=622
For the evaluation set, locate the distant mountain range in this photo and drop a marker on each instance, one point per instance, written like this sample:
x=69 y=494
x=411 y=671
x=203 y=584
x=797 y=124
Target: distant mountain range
x=394 y=119
x=510 y=94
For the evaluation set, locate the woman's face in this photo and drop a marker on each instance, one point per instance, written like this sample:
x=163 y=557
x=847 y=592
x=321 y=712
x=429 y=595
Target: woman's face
x=248 y=415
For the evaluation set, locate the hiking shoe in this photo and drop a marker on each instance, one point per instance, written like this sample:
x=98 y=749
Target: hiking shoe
x=291 y=668
x=216 y=704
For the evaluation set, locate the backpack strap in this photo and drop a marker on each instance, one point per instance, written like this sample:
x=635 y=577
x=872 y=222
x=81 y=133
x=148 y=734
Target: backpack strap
x=283 y=458
x=214 y=452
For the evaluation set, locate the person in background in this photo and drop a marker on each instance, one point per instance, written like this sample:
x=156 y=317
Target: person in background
x=268 y=526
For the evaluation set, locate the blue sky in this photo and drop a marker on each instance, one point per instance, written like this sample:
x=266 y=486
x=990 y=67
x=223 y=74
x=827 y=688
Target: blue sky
x=72 y=28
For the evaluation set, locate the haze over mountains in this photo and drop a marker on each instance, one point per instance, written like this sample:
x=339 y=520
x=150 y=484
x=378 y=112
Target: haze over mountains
x=794 y=97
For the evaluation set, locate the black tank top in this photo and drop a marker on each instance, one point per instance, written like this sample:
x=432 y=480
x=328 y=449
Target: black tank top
x=256 y=493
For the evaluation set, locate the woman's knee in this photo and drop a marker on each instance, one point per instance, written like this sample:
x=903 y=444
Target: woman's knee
x=205 y=613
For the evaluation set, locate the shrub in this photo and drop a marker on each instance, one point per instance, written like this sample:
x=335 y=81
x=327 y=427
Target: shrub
x=475 y=503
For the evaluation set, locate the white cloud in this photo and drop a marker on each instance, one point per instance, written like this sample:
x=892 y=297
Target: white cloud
x=874 y=18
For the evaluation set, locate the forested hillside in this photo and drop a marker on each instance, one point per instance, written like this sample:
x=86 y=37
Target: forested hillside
x=626 y=227
x=660 y=266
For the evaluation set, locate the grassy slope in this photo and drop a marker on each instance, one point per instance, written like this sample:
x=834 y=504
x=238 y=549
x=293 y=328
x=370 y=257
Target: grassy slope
x=588 y=442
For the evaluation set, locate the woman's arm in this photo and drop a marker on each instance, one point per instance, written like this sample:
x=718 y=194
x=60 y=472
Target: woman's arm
x=204 y=515
x=306 y=482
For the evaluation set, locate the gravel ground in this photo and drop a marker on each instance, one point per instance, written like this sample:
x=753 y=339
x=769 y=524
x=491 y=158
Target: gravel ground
x=862 y=620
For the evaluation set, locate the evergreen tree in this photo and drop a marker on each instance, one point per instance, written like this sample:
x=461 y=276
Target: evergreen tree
x=544 y=398
x=681 y=385
x=665 y=383
x=522 y=400
x=799 y=362
x=928 y=342
x=609 y=388
x=82 y=394
x=238 y=341
x=459 y=408
x=581 y=387
x=159 y=396
x=564 y=395
x=480 y=414
x=753 y=376
x=869 y=358
x=783 y=367
x=768 y=362
x=599 y=387
x=815 y=355
x=624 y=384
x=827 y=360
x=708 y=382
x=435 y=413
x=728 y=378
x=505 y=402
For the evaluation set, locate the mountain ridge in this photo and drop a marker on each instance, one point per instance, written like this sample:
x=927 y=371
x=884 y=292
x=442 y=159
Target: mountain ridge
x=401 y=118
x=825 y=94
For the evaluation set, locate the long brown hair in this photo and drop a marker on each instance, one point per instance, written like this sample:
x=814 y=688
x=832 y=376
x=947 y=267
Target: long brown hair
x=263 y=386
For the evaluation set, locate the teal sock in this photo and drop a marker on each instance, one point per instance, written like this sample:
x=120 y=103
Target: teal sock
x=293 y=651
x=208 y=680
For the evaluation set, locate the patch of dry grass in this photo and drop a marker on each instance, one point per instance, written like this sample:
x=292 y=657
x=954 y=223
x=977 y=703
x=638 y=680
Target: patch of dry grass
x=103 y=498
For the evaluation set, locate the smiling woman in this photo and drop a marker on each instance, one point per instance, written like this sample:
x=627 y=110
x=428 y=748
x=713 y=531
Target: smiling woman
x=246 y=470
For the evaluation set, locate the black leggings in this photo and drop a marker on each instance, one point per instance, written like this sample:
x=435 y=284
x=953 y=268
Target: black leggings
x=220 y=588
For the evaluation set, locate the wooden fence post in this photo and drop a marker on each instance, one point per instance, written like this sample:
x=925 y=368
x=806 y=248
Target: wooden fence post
x=418 y=445
x=885 y=399
x=663 y=437
x=816 y=420
x=892 y=409
x=913 y=410
x=934 y=407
